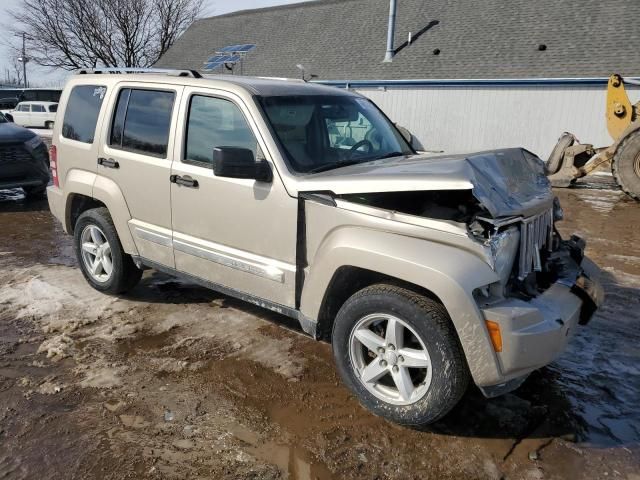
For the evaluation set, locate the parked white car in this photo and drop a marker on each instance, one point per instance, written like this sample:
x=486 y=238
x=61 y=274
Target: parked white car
x=35 y=114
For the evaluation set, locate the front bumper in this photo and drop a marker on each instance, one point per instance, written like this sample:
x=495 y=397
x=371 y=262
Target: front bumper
x=21 y=167
x=536 y=332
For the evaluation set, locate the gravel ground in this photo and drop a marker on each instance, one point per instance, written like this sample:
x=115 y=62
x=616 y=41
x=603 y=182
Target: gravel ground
x=174 y=381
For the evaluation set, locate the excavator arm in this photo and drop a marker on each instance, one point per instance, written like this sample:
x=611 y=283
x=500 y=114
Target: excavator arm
x=571 y=159
x=620 y=112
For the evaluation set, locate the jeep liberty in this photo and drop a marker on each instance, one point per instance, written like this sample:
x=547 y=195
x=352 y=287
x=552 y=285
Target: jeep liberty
x=424 y=272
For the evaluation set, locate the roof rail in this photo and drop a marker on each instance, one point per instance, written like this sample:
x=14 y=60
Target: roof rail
x=287 y=79
x=165 y=71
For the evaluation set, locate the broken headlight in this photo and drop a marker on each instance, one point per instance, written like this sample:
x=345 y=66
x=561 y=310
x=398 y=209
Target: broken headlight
x=504 y=249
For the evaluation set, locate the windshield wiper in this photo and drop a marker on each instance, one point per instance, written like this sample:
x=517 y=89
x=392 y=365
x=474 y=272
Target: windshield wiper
x=332 y=165
x=346 y=163
x=391 y=154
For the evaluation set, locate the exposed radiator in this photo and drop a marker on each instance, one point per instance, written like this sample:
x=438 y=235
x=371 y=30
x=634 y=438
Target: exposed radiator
x=536 y=233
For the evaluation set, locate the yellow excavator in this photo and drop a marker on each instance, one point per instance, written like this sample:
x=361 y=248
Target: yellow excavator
x=571 y=160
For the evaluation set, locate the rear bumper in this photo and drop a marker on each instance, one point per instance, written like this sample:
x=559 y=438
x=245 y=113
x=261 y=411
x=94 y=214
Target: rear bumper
x=536 y=332
x=56 y=204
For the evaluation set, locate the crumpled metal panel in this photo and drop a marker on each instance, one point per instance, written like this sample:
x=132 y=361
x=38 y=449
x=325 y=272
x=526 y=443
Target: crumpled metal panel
x=510 y=182
x=507 y=182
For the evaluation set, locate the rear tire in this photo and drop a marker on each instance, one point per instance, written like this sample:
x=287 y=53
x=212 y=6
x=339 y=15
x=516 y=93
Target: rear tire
x=626 y=165
x=103 y=262
x=48 y=125
x=418 y=380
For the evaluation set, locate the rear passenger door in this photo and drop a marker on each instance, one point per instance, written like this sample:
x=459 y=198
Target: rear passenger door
x=137 y=156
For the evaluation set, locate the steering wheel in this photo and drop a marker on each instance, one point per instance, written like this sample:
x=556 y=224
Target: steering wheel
x=361 y=143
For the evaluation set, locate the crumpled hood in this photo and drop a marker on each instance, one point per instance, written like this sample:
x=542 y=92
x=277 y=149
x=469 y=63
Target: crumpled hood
x=507 y=182
x=12 y=133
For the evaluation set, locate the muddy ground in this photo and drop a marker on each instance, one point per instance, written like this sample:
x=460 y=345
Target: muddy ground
x=174 y=381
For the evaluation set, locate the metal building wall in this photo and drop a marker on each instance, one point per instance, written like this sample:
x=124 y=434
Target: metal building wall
x=472 y=118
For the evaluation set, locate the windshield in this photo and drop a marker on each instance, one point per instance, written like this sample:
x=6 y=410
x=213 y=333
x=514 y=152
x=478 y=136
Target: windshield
x=2 y=119
x=322 y=132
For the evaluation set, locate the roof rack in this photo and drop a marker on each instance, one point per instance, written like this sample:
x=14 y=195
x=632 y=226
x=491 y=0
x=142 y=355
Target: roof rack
x=165 y=71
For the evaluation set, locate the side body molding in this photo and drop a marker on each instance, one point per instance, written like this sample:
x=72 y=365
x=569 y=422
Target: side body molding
x=450 y=273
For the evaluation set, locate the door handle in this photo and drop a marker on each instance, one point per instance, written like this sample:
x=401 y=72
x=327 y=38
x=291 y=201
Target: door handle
x=108 y=162
x=185 y=181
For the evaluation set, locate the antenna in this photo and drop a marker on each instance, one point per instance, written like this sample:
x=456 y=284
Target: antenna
x=305 y=77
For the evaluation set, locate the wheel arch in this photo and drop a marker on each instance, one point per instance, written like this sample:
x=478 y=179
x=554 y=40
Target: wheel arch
x=88 y=190
x=348 y=280
x=355 y=258
x=77 y=204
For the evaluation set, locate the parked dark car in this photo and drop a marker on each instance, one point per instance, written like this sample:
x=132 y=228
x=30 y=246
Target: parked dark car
x=24 y=159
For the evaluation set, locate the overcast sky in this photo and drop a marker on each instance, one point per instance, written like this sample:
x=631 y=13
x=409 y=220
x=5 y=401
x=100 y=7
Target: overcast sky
x=46 y=77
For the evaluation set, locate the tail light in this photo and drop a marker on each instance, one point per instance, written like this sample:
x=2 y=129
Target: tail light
x=53 y=164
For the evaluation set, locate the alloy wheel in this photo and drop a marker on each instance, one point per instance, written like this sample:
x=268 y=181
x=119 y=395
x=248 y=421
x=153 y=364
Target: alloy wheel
x=96 y=253
x=390 y=359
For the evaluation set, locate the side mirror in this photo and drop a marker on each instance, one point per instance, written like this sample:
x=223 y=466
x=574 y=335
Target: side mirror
x=410 y=138
x=405 y=133
x=236 y=162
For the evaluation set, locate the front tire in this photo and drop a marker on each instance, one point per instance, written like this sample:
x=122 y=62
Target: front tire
x=103 y=262
x=398 y=352
x=626 y=165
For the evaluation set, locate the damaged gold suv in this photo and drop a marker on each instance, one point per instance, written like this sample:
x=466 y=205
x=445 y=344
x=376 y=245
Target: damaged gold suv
x=424 y=272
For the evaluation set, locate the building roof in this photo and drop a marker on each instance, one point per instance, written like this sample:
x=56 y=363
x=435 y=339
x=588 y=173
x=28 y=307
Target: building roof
x=346 y=39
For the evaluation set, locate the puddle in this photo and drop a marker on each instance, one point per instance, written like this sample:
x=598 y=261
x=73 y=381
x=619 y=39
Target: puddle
x=294 y=461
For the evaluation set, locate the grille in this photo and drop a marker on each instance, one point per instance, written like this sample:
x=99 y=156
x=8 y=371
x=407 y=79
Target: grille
x=14 y=154
x=536 y=234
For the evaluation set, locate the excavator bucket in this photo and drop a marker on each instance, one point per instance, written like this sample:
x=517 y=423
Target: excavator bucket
x=571 y=160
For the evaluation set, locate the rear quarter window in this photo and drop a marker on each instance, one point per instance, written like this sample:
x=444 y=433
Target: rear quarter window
x=53 y=108
x=82 y=111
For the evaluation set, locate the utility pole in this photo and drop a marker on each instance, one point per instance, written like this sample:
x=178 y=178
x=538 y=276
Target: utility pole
x=24 y=59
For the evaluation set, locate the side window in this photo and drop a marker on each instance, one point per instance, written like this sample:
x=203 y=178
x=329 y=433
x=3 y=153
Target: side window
x=81 y=112
x=142 y=120
x=214 y=122
x=53 y=108
x=37 y=108
x=23 y=108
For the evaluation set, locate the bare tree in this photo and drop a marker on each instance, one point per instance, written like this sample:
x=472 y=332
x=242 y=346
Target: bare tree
x=73 y=34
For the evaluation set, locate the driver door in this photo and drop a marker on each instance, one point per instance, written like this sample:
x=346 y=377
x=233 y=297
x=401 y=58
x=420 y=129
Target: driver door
x=235 y=233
